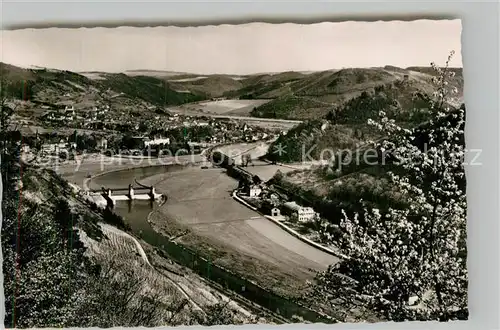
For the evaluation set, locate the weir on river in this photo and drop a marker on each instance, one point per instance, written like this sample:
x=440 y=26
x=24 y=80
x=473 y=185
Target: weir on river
x=140 y=192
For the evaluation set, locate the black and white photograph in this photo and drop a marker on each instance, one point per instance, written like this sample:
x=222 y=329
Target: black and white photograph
x=257 y=173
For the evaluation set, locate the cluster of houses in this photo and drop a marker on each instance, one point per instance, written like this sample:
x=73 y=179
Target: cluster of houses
x=101 y=118
x=156 y=141
x=303 y=214
x=290 y=209
x=144 y=143
x=236 y=131
x=82 y=118
x=223 y=130
x=56 y=148
x=177 y=120
x=64 y=145
x=52 y=149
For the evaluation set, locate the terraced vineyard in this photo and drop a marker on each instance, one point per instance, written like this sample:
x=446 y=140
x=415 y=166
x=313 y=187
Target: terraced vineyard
x=124 y=251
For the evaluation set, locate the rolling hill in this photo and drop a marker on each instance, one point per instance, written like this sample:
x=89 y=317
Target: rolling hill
x=316 y=94
x=404 y=95
x=212 y=86
x=344 y=97
x=56 y=87
x=297 y=95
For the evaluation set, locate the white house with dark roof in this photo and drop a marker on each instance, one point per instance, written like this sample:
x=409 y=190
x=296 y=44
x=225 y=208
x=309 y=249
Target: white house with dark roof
x=303 y=214
x=253 y=190
x=157 y=141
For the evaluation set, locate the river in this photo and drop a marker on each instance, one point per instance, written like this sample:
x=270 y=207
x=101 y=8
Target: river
x=201 y=200
x=136 y=215
x=259 y=251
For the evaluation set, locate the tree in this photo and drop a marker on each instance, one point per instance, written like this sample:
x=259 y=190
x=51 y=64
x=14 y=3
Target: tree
x=83 y=141
x=49 y=251
x=143 y=127
x=278 y=176
x=128 y=142
x=218 y=314
x=248 y=159
x=256 y=179
x=421 y=250
x=274 y=200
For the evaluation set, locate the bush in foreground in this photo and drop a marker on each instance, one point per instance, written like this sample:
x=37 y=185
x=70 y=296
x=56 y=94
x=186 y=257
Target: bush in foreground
x=419 y=251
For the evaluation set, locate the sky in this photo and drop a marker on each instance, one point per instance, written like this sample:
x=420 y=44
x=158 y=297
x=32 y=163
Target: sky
x=236 y=49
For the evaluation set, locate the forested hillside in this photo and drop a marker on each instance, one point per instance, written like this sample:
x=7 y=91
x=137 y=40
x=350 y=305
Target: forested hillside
x=51 y=87
x=394 y=208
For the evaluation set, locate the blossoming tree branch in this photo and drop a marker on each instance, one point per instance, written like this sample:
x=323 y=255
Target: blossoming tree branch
x=410 y=263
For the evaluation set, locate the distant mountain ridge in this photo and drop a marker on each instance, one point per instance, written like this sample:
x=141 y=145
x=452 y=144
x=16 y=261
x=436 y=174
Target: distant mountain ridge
x=292 y=95
x=50 y=86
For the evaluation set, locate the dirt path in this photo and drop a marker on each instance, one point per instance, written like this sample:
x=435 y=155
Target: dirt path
x=138 y=246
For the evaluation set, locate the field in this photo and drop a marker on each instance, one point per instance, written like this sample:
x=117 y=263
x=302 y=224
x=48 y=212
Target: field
x=266 y=171
x=226 y=107
x=187 y=79
x=155 y=73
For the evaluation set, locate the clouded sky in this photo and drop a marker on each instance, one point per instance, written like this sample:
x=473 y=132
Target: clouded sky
x=237 y=49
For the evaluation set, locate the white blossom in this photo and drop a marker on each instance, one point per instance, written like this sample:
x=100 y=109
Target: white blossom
x=419 y=251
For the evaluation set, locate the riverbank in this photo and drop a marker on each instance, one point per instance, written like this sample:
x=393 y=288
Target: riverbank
x=196 y=253
x=252 y=269
x=253 y=252
x=289 y=229
x=272 y=283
